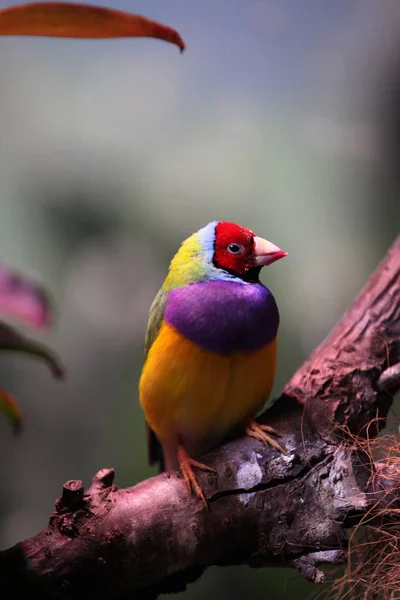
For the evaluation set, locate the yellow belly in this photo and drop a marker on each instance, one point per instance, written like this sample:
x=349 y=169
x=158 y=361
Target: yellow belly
x=202 y=395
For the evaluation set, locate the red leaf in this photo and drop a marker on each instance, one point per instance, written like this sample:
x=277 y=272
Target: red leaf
x=9 y=407
x=23 y=299
x=11 y=339
x=67 y=20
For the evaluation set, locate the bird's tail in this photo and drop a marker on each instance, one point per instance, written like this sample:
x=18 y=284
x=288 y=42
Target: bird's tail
x=155 y=453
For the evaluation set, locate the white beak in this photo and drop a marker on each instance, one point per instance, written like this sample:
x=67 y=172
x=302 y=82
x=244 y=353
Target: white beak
x=265 y=253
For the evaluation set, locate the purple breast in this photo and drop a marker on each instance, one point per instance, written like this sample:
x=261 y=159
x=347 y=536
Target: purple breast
x=224 y=316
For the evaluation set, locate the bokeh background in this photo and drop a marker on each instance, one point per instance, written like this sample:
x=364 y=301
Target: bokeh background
x=283 y=116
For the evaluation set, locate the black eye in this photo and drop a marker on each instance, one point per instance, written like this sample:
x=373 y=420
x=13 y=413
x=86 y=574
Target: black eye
x=235 y=248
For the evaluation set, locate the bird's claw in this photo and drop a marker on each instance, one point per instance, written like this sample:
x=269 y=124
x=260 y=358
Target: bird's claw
x=260 y=432
x=186 y=464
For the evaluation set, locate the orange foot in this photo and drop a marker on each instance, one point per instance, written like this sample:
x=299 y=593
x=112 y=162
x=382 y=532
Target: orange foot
x=186 y=465
x=258 y=431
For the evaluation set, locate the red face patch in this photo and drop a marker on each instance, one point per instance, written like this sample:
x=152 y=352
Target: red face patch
x=234 y=247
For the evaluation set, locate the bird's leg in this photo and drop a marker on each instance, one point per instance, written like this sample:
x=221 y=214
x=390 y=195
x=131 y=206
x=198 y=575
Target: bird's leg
x=186 y=464
x=260 y=432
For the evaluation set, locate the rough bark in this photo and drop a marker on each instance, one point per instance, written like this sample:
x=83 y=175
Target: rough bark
x=264 y=508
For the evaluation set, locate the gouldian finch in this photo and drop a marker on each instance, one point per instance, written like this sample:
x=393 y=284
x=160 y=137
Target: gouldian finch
x=211 y=348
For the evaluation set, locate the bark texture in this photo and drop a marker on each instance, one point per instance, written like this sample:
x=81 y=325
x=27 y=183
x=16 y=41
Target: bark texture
x=265 y=508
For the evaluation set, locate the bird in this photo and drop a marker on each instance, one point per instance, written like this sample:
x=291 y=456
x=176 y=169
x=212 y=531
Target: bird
x=210 y=349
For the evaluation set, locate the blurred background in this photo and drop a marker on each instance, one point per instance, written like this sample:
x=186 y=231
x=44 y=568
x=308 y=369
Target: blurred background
x=282 y=116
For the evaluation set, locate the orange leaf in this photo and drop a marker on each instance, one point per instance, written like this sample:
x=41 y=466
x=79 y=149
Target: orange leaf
x=68 y=20
x=9 y=407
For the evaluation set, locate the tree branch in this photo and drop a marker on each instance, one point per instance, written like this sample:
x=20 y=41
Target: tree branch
x=265 y=508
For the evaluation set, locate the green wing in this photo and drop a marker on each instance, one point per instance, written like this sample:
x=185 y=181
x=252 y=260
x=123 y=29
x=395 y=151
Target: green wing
x=157 y=309
x=156 y=316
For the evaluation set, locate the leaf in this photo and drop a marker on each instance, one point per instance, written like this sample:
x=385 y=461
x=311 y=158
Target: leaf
x=22 y=299
x=9 y=407
x=68 y=20
x=11 y=339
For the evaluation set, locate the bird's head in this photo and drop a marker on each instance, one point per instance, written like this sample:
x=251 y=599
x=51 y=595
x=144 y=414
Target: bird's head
x=222 y=250
x=238 y=251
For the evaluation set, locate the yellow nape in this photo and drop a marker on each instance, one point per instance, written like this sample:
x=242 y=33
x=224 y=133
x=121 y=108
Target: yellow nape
x=188 y=265
x=202 y=395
